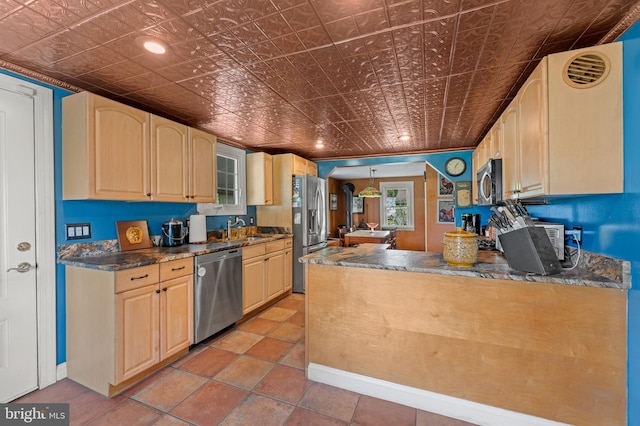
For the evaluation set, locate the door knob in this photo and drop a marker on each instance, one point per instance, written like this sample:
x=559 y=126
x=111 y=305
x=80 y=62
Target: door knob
x=24 y=246
x=22 y=267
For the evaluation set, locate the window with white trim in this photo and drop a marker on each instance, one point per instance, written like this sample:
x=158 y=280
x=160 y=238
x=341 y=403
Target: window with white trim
x=396 y=205
x=231 y=183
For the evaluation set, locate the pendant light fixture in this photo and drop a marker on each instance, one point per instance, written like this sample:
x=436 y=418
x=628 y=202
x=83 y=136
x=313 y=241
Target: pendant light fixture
x=370 y=191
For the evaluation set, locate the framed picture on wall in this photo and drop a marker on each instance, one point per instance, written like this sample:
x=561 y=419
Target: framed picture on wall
x=333 y=201
x=445 y=186
x=446 y=211
x=463 y=194
x=358 y=205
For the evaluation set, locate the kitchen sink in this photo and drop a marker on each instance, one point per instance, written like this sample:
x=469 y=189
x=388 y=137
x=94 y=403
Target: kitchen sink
x=257 y=237
x=253 y=238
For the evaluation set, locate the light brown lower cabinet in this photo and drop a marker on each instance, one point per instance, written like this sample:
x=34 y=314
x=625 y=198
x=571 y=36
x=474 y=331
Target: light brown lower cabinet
x=288 y=264
x=123 y=325
x=264 y=271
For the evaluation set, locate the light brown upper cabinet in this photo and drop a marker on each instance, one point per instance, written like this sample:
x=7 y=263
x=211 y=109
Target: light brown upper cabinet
x=203 y=177
x=509 y=131
x=111 y=151
x=563 y=133
x=285 y=166
x=105 y=149
x=532 y=142
x=259 y=179
x=169 y=160
x=490 y=147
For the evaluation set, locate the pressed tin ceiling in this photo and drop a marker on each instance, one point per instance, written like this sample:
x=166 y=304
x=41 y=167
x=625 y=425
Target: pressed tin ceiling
x=277 y=75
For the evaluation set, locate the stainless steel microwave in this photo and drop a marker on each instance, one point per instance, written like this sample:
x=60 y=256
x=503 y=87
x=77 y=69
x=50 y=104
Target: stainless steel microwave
x=490 y=183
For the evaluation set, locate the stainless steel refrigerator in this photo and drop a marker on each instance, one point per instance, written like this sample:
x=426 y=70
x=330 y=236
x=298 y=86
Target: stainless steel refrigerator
x=310 y=213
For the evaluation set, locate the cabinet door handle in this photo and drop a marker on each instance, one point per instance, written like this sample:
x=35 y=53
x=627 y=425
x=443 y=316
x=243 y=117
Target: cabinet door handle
x=158 y=291
x=177 y=269
x=140 y=278
x=164 y=289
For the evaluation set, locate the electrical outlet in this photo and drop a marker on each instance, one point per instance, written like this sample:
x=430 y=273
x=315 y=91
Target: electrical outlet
x=574 y=234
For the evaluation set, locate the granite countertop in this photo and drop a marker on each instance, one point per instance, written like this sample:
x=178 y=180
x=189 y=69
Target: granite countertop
x=593 y=271
x=115 y=261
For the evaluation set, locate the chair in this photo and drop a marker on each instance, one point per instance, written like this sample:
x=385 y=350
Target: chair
x=392 y=238
x=342 y=230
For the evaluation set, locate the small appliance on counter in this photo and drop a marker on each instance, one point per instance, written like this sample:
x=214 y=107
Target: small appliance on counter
x=471 y=222
x=173 y=233
x=197 y=229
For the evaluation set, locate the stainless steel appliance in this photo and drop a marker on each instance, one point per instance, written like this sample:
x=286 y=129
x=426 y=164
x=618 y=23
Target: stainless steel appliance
x=217 y=293
x=489 y=178
x=173 y=233
x=310 y=212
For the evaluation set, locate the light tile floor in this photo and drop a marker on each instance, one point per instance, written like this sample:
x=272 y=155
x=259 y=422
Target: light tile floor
x=252 y=374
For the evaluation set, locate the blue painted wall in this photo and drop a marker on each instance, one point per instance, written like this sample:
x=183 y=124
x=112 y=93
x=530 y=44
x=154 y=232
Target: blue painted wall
x=610 y=222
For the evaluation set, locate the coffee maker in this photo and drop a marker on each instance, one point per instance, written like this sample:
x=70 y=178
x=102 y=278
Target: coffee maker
x=471 y=222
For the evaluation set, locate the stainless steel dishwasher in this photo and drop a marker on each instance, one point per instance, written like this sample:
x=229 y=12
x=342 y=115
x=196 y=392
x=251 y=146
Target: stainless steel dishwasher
x=217 y=292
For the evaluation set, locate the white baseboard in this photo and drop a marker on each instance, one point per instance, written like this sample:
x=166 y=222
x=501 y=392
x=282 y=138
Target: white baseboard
x=61 y=371
x=445 y=405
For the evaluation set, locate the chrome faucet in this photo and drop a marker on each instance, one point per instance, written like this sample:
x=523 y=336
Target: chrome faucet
x=229 y=225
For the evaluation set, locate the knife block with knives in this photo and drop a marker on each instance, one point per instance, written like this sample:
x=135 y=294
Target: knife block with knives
x=526 y=247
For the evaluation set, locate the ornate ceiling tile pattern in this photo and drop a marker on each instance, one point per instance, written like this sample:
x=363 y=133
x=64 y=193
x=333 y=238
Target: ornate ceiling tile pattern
x=277 y=75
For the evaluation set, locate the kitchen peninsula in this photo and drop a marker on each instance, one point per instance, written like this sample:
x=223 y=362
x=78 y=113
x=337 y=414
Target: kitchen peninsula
x=471 y=342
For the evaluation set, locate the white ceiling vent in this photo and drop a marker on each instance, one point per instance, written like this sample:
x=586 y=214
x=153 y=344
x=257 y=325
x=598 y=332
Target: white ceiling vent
x=586 y=70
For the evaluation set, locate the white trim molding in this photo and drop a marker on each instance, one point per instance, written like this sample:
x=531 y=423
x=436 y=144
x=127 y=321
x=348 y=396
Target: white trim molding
x=424 y=400
x=45 y=235
x=61 y=372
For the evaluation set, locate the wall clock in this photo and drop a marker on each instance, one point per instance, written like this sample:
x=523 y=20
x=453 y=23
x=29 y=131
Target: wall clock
x=455 y=166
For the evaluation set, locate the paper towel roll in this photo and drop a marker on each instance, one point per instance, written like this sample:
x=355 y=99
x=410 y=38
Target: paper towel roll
x=197 y=228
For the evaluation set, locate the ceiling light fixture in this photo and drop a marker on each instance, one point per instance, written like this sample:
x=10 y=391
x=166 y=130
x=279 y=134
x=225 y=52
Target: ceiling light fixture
x=370 y=191
x=319 y=143
x=405 y=137
x=152 y=45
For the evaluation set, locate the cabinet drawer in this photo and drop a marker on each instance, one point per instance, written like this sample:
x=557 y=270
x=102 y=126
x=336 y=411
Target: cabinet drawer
x=253 y=250
x=275 y=246
x=288 y=243
x=129 y=279
x=176 y=268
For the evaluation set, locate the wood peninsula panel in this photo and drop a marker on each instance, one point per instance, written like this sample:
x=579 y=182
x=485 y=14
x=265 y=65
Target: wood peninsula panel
x=552 y=351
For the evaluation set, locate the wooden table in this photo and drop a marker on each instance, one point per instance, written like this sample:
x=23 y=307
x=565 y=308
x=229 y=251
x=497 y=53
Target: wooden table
x=364 y=236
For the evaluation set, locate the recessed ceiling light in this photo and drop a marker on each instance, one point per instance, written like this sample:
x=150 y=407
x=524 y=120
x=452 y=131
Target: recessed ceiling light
x=405 y=137
x=319 y=143
x=153 y=45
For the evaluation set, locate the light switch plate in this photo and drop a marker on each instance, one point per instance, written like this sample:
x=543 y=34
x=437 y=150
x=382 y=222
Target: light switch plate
x=77 y=231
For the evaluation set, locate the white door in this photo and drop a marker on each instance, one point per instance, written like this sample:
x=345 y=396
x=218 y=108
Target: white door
x=18 y=319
